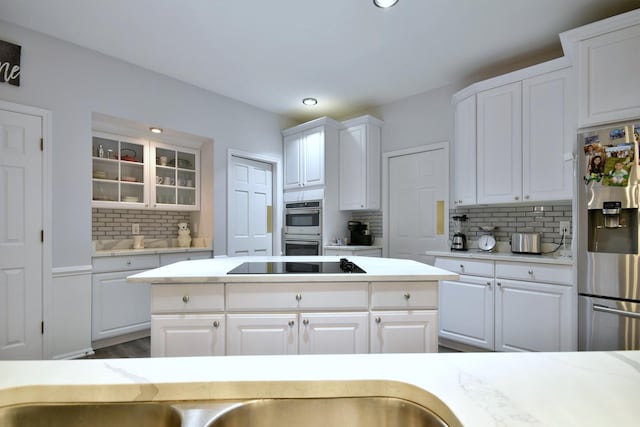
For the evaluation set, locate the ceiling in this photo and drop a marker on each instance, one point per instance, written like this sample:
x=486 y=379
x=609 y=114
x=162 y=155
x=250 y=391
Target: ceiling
x=349 y=54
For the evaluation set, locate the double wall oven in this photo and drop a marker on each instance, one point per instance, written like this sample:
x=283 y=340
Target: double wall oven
x=303 y=228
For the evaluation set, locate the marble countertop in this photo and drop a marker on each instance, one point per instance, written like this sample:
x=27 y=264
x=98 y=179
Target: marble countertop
x=146 y=251
x=351 y=247
x=481 y=389
x=215 y=270
x=503 y=256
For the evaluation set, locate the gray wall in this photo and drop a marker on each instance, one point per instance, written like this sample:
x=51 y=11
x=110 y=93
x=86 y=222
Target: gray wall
x=73 y=82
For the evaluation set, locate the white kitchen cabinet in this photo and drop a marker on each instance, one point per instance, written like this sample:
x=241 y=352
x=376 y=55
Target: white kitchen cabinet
x=304 y=159
x=499 y=140
x=606 y=56
x=404 y=331
x=466 y=311
x=464 y=152
x=141 y=174
x=548 y=136
x=519 y=306
x=334 y=333
x=262 y=334
x=180 y=335
x=360 y=160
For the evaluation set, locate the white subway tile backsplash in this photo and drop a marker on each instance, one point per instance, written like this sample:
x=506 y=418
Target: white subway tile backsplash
x=116 y=223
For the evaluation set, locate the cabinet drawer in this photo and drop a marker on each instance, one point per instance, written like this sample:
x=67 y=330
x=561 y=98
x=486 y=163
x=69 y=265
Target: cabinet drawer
x=534 y=272
x=404 y=295
x=166 y=259
x=188 y=298
x=124 y=263
x=294 y=296
x=473 y=267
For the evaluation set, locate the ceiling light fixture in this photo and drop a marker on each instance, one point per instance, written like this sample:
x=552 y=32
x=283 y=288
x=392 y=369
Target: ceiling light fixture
x=155 y=130
x=385 y=3
x=309 y=101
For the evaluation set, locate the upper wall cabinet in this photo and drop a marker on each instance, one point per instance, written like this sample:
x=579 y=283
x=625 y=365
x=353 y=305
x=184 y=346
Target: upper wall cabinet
x=360 y=164
x=304 y=154
x=514 y=138
x=464 y=152
x=139 y=174
x=606 y=57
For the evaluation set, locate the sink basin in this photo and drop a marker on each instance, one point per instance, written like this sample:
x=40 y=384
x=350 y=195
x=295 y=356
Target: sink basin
x=95 y=415
x=331 y=412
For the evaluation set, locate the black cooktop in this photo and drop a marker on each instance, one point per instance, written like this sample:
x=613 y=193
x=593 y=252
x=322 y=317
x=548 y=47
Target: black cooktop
x=297 y=267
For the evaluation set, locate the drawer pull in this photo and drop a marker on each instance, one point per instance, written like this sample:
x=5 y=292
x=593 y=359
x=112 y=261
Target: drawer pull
x=298 y=297
x=216 y=323
x=185 y=299
x=305 y=322
x=462 y=267
x=291 y=323
x=530 y=271
x=128 y=262
x=407 y=295
x=378 y=320
x=488 y=283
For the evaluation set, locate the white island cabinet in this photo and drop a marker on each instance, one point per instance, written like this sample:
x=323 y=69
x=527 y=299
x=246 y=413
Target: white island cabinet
x=199 y=309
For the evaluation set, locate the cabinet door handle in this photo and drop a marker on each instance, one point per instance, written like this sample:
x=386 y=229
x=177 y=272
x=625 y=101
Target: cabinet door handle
x=407 y=295
x=461 y=267
x=128 y=262
x=378 y=320
x=216 y=323
x=489 y=284
x=499 y=284
x=530 y=271
x=517 y=198
x=185 y=299
x=305 y=322
x=298 y=297
x=291 y=323
x=526 y=197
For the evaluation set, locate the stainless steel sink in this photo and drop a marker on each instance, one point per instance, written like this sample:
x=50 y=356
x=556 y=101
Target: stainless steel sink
x=95 y=415
x=332 y=412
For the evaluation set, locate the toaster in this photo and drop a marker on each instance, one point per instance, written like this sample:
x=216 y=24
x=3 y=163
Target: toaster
x=526 y=243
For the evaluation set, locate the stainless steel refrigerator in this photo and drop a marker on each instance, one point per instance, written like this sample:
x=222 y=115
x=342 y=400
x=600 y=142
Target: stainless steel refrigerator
x=608 y=257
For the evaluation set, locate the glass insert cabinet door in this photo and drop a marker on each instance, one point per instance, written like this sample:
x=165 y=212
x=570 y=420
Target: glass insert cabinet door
x=119 y=171
x=176 y=176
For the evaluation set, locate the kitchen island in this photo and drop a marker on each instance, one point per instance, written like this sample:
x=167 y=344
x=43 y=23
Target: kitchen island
x=293 y=305
x=471 y=389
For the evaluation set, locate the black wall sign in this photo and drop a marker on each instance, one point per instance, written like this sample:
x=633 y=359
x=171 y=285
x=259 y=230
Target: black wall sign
x=10 y=63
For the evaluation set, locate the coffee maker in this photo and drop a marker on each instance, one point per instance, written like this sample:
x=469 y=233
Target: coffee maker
x=459 y=240
x=360 y=235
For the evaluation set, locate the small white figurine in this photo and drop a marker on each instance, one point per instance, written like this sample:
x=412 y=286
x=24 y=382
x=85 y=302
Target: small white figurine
x=184 y=235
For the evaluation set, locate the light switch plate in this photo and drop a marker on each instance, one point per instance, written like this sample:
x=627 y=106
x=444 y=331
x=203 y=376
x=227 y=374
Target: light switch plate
x=135 y=228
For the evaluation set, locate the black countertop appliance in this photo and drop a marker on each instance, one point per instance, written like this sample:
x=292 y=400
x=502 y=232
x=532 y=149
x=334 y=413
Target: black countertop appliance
x=360 y=235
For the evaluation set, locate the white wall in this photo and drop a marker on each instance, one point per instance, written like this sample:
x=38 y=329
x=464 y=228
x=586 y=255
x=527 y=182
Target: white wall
x=73 y=82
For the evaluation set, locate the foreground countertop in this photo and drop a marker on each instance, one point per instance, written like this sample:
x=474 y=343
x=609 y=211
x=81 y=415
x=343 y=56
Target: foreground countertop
x=482 y=389
x=215 y=270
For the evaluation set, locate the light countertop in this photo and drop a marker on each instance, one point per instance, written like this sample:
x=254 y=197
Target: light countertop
x=215 y=270
x=351 y=247
x=481 y=389
x=503 y=256
x=146 y=251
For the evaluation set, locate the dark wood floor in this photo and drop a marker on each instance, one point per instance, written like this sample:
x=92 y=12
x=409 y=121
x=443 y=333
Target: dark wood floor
x=136 y=348
x=141 y=348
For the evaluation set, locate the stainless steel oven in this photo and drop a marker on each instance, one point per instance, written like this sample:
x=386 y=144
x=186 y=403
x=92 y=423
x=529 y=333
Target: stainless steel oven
x=298 y=245
x=303 y=218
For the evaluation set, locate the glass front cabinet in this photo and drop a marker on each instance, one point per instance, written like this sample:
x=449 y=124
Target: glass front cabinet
x=140 y=174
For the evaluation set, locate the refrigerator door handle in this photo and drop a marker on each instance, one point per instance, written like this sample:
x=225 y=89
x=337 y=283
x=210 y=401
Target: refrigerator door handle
x=605 y=309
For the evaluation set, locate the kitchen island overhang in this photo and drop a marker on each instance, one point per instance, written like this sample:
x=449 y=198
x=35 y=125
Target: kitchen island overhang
x=216 y=270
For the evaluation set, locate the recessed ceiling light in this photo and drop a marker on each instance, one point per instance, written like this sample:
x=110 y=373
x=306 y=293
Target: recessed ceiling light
x=309 y=101
x=155 y=130
x=385 y=3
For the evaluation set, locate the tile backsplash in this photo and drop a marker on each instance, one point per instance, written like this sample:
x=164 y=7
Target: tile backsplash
x=114 y=224
x=542 y=218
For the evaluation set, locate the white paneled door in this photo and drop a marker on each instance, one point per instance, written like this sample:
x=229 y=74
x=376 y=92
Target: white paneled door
x=418 y=189
x=250 y=208
x=21 y=221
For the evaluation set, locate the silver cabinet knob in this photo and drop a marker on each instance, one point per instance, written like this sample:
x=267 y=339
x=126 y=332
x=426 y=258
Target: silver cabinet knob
x=517 y=198
x=305 y=322
x=185 y=299
x=378 y=320
x=488 y=283
x=128 y=262
x=526 y=197
x=298 y=297
x=461 y=267
x=499 y=284
x=216 y=324
x=291 y=323
x=407 y=295
x=530 y=271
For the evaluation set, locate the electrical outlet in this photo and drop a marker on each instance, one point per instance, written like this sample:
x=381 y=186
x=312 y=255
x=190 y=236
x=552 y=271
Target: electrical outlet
x=565 y=228
x=135 y=228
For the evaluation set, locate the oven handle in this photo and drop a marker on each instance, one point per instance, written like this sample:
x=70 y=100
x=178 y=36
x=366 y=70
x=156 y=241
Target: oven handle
x=302 y=242
x=605 y=309
x=302 y=211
